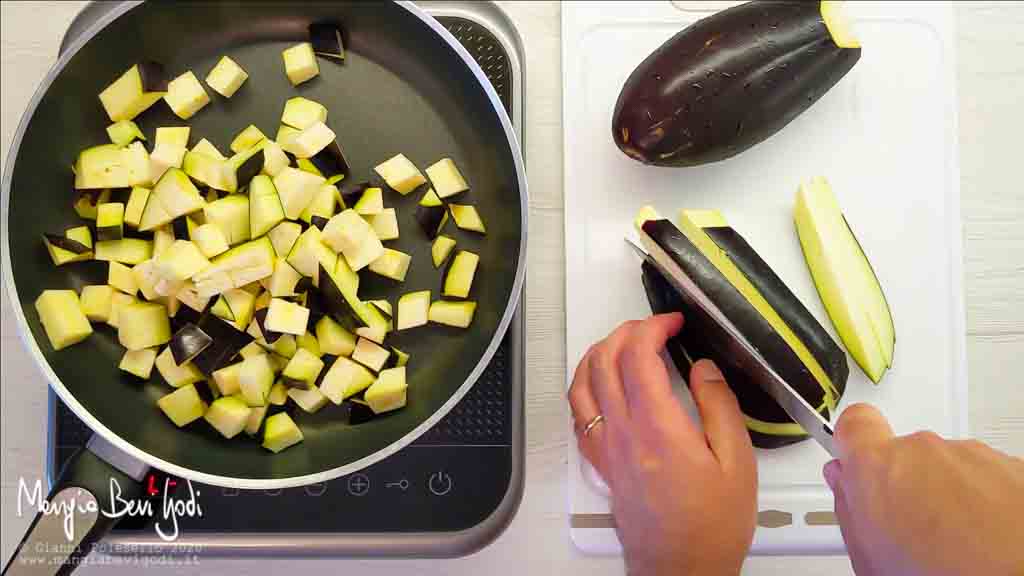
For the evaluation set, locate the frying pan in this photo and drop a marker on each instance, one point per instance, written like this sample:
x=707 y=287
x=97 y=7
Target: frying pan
x=406 y=86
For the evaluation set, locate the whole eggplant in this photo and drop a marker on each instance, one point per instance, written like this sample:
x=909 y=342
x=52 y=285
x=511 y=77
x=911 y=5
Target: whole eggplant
x=731 y=80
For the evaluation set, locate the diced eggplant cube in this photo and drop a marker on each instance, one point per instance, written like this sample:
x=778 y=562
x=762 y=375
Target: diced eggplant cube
x=138 y=362
x=391 y=264
x=266 y=213
x=231 y=215
x=136 y=204
x=430 y=198
x=440 y=249
x=175 y=375
x=61 y=315
x=467 y=218
x=87 y=201
x=370 y=203
x=126 y=250
x=183 y=406
x=280 y=432
x=226 y=379
x=345 y=378
x=413 y=309
x=164 y=157
x=65 y=249
x=303 y=367
x=95 y=302
x=255 y=377
x=385 y=224
x=226 y=77
x=186 y=96
x=228 y=415
x=174 y=135
x=206 y=148
x=457 y=314
x=284 y=136
x=124 y=132
x=118 y=300
x=431 y=219
x=446 y=178
x=252 y=162
x=174 y=195
x=310 y=141
x=301 y=113
x=120 y=276
x=300 y=64
x=400 y=174
x=325 y=37
x=110 y=221
x=296 y=190
x=331 y=160
x=247 y=138
x=459 y=279
x=370 y=354
x=213 y=172
x=286 y=317
x=278 y=394
x=180 y=261
x=308 y=341
x=255 y=421
x=310 y=400
x=284 y=280
x=321 y=206
x=210 y=240
x=143 y=325
x=388 y=391
x=351 y=235
x=134 y=91
x=188 y=342
x=284 y=236
x=333 y=338
x=373 y=333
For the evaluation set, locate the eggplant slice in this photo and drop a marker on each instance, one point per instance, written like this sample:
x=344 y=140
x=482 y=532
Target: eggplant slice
x=702 y=337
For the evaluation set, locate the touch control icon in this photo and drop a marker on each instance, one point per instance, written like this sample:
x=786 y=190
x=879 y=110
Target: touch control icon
x=440 y=483
x=358 y=484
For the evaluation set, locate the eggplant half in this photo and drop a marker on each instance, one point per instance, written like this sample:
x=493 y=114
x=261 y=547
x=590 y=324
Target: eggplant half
x=744 y=288
x=731 y=80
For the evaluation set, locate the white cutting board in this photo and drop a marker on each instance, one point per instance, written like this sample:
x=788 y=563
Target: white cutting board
x=885 y=137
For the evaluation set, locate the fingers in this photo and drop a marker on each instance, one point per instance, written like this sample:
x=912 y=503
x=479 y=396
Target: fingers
x=648 y=385
x=584 y=409
x=724 y=425
x=606 y=376
x=833 y=473
x=861 y=427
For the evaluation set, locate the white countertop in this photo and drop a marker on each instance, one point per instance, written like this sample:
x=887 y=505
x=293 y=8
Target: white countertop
x=991 y=90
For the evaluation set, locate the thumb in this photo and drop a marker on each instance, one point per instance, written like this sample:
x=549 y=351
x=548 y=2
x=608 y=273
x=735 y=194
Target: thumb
x=724 y=424
x=861 y=427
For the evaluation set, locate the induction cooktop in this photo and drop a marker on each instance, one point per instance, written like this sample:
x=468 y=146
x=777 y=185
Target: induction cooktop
x=449 y=493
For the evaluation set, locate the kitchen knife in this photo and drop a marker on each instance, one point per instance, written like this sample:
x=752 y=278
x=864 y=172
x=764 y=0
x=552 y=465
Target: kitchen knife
x=760 y=371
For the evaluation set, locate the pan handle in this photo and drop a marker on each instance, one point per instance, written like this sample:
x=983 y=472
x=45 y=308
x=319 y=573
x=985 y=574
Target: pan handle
x=79 y=511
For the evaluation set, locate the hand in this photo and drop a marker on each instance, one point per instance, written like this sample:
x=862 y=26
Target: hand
x=918 y=504
x=685 y=501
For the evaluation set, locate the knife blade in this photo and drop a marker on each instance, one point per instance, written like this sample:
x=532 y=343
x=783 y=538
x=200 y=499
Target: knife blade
x=795 y=406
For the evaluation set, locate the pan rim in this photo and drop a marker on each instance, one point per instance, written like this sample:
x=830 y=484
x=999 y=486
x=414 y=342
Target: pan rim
x=97 y=427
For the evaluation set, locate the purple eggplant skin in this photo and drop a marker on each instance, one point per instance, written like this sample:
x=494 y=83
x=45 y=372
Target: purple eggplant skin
x=702 y=338
x=728 y=82
x=792 y=311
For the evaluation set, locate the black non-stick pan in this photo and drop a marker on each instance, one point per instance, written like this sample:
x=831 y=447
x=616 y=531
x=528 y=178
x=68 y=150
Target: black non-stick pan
x=406 y=86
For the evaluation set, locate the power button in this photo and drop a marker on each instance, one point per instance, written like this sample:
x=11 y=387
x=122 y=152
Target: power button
x=440 y=483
